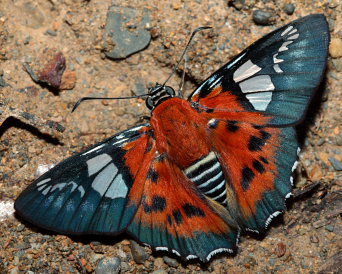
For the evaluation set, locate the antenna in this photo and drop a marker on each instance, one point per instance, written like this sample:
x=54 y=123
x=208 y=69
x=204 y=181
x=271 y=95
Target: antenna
x=184 y=51
x=144 y=95
x=104 y=98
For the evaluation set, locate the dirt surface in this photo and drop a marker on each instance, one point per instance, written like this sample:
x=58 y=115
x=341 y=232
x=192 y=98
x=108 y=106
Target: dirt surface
x=306 y=239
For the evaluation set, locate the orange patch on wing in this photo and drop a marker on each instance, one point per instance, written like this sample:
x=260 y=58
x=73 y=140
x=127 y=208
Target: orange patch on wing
x=138 y=160
x=234 y=149
x=183 y=212
x=222 y=101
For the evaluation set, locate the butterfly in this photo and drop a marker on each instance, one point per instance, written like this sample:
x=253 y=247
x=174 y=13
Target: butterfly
x=201 y=170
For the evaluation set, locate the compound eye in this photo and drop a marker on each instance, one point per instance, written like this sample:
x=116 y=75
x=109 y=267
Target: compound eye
x=170 y=91
x=149 y=103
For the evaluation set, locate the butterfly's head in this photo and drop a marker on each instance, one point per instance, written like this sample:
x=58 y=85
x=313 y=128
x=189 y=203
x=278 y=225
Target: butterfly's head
x=158 y=94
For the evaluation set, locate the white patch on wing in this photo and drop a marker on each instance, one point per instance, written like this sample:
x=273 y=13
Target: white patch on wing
x=277 y=68
x=46 y=190
x=276 y=60
x=43 y=182
x=120 y=141
x=81 y=190
x=134 y=128
x=60 y=186
x=269 y=219
x=175 y=252
x=292 y=31
x=294 y=166
x=257 y=83
x=216 y=251
x=260 y=100
x=245 y=71
x=118 y=189
x=293 y=37
x=212 y=85
x=97 y=163
x=120 y=136
x=93 y=149
x=161 y=248
x=103 y=180
x=287 y=30
x=288 y=195
x=252 y=230
x=215 y=78
x=284 y=46
x=189 y=257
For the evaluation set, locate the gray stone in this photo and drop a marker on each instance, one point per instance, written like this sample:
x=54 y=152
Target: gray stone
x=108 y=266
x=289 y=9
x=170 y=261
x=261 y=17
x=337 y=165
x=138 y=252
x=126 y=32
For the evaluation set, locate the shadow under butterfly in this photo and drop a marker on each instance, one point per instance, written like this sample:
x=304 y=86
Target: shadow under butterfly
x=202 y=169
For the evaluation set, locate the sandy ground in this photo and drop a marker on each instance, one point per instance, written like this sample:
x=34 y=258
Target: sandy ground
x=307 y=239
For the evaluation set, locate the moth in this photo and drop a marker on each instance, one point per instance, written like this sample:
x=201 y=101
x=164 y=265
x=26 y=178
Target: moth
x=202 y=170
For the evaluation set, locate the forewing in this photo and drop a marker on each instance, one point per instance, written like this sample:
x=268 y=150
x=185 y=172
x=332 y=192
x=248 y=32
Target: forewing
x=277 y=75
x=89 y=192
x=174 y=216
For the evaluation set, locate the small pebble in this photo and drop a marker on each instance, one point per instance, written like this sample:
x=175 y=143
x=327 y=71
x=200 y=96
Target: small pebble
x=158 y=262
x=108 y=266
x=138 y=252
x=338 y=140
x=271 y=261
x=321 y=141
x=170 y=261
x=237 y=4
x=337 y=64
x=160 y=271
x=337 y=165
x=335 y=48
x=330 y=228
x=289 y=9
x=280 y=250
x=314 y=239
x=14 y=270
x=51 y=32
x=261 y=17
x=249 y=262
